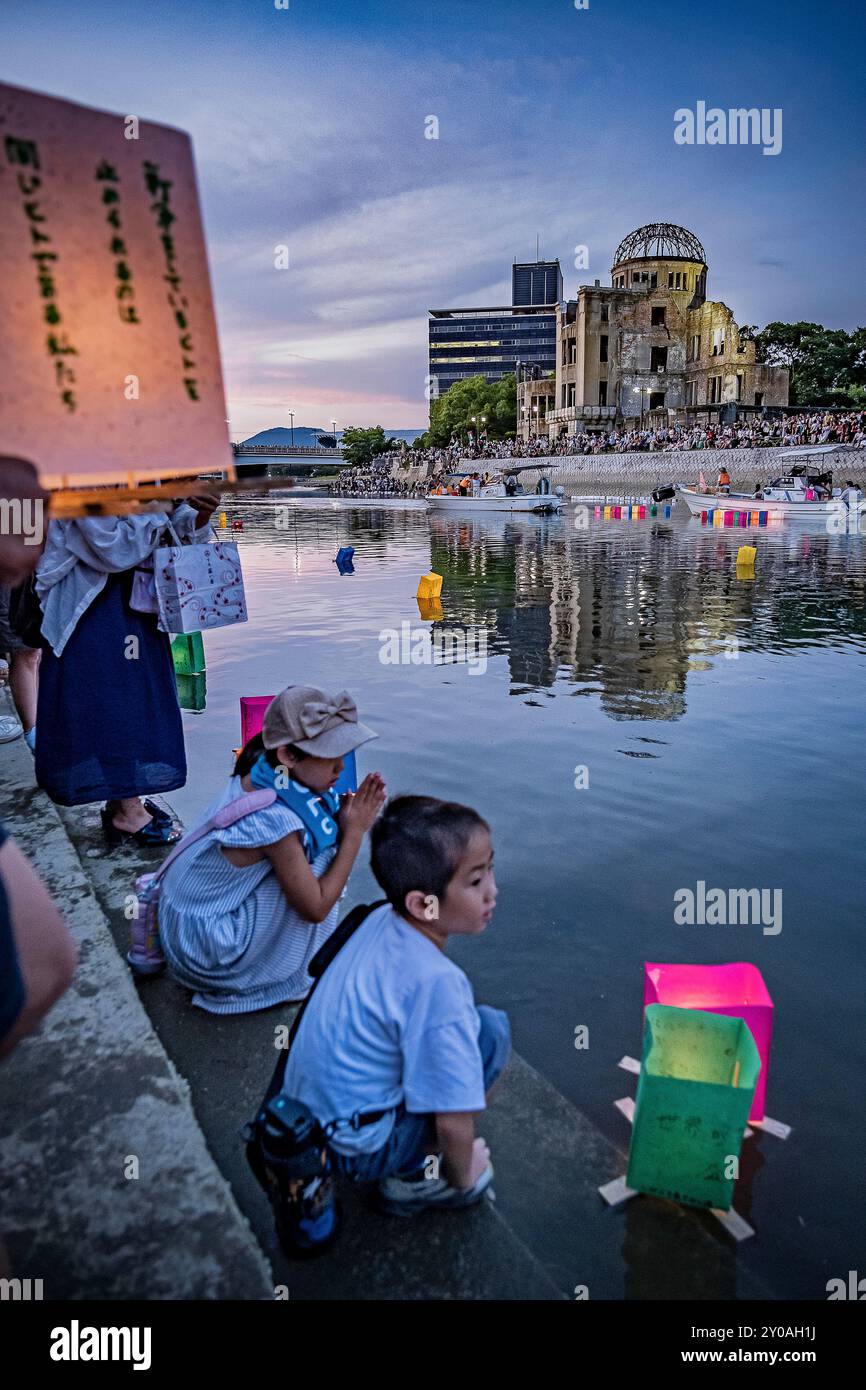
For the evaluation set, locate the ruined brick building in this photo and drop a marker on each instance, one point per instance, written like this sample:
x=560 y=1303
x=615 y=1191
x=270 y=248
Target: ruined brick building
x=650 y=345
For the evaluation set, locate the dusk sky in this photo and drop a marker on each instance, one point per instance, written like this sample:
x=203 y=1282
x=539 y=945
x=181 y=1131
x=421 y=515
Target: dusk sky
x=309 y=130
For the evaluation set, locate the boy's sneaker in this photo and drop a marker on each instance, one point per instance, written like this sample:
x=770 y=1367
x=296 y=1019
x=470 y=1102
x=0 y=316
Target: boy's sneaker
x=406 y=1196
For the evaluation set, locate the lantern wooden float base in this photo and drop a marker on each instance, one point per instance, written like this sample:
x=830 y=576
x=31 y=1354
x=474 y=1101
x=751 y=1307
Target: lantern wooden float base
x=618 y=1191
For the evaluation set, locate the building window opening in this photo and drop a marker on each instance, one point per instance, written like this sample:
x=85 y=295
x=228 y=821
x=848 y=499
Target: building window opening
x=605 y=315
x=602 y=348
x=658 y=359
x=657 y=400
x=657 y=317
x=739 y=386
x=602 y=393
x=670 y=279
x=759 y=398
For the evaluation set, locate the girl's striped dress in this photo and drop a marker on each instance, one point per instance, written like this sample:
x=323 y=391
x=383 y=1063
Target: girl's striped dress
x=229 y=934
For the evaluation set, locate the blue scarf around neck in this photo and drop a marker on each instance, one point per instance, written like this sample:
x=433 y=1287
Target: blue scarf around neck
x=317 y=810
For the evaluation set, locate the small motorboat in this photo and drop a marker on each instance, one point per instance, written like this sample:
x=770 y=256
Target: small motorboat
x=505 y=493
x=796 y=494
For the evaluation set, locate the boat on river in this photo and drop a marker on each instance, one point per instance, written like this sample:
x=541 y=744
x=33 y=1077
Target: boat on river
x=504 y=494
x=798 y=494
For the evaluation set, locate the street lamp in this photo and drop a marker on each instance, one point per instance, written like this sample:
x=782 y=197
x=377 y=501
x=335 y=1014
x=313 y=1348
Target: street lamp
x=291 y=415
x=334 y=430
x=639 y=390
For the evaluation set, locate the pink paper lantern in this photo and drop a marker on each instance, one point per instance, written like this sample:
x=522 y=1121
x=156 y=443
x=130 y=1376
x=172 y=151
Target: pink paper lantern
x=252 y=713
x=736 y=989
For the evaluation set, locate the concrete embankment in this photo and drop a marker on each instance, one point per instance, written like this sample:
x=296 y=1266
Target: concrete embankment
x=630 y=474
x=116 y=1073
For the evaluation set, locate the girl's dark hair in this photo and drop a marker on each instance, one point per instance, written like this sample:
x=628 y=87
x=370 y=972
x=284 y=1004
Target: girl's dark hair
x=417 y=843
x=252 y=751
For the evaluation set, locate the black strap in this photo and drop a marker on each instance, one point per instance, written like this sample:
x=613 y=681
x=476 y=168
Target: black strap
x=316 y=969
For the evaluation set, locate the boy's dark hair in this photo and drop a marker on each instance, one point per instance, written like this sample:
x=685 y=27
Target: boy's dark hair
x=253 y=750
x=417 y=843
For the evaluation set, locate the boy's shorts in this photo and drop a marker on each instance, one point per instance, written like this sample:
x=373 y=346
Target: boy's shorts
x=413 y=1138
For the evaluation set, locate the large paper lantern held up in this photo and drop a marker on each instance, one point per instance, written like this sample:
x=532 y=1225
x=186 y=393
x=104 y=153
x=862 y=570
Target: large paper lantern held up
x=736 y=988
x=109 y=362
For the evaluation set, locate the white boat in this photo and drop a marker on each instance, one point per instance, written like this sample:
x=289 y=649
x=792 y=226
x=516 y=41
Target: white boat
x=799 y=494
x=502 y=495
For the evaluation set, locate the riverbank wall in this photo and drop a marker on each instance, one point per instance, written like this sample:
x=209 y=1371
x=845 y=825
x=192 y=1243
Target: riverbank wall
x=629 y=474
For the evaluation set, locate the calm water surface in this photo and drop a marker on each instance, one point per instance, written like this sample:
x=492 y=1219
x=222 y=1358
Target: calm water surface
x=720 y=723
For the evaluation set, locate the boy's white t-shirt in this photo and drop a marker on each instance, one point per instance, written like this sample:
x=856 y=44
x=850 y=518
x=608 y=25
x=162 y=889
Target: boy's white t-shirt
x=392 y=1019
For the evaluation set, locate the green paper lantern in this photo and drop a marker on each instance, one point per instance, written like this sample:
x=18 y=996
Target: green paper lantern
x=694 y=1095
x=192 y=691
x=187 y=653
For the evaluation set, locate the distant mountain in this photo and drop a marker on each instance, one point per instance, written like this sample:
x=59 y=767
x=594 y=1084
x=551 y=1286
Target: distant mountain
x=305 y=436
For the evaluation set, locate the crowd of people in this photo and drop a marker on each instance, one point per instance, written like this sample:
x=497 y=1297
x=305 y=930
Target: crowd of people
x=375 y=481
x=845 y=428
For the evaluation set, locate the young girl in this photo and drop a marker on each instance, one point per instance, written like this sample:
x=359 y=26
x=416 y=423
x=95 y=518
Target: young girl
x=242 y=911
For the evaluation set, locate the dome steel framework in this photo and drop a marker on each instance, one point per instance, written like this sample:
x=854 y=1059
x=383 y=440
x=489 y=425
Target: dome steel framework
x=660 y=241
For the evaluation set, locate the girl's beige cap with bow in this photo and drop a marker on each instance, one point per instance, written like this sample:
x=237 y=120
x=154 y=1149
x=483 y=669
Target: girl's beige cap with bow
x=326 y=726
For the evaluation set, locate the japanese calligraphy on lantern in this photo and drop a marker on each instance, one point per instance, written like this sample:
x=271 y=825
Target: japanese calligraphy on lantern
x=109 y=361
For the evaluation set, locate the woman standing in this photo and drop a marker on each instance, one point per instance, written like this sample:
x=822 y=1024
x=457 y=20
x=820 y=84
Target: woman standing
x=109 y=722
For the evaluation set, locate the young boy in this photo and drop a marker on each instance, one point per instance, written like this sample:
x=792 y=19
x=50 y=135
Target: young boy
x=392 y=1055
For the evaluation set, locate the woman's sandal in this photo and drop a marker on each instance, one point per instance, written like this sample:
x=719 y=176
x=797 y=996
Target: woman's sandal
x=153 y=833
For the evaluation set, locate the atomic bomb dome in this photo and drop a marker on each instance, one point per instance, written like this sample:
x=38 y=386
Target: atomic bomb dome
x=660 y=241
x=649 y=346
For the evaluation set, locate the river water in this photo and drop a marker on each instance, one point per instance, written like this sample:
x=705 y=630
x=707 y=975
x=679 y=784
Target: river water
x=632 y=718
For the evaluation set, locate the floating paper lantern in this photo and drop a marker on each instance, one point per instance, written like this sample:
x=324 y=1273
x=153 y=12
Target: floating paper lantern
x=735 y=989
x=607 y=513
x=641 y=511
x=344 y=558
x=429 y=585
x=762 y=518
x=694 y=1094
x=667 y=511
x=187 y=654
x=191 y=691
x=704 y=518
x=252 y=713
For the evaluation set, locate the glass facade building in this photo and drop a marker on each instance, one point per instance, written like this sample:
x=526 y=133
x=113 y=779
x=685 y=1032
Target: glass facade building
x=489 y=343
x=536 y=282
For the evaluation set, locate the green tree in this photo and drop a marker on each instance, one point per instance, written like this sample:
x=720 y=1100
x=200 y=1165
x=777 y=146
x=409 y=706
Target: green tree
x=451 y=414
x=360 y=446
x=827 y=365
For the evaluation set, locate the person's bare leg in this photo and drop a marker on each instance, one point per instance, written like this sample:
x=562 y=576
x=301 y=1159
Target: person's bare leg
x=129 y=814
x=24 y=684
x=45 y=950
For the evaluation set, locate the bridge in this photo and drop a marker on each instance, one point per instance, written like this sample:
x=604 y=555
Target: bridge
x=294 y=460
x=286 y=451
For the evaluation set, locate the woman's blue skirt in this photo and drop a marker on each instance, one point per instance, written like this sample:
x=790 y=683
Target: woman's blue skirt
x=108 y=724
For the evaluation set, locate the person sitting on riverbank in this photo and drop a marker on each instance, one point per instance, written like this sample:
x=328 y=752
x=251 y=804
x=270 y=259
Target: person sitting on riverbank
x=392 y=1046
x=243 y=910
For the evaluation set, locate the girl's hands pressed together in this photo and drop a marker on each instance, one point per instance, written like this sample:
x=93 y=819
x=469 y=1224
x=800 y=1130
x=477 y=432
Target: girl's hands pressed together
x=360 y=808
